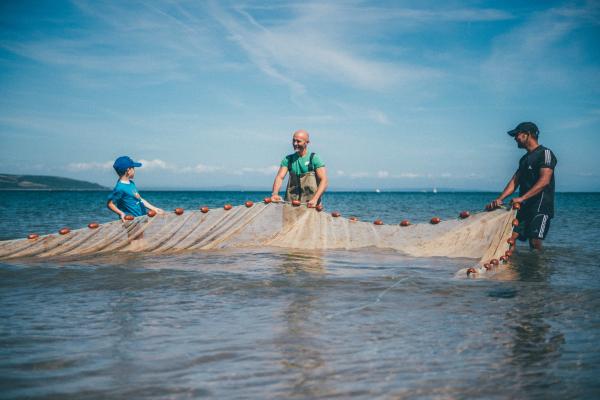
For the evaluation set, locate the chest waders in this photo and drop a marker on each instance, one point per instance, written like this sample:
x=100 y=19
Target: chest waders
x=304 y=186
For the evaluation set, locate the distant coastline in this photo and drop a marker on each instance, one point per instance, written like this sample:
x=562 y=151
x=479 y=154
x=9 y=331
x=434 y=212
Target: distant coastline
x=45 y=183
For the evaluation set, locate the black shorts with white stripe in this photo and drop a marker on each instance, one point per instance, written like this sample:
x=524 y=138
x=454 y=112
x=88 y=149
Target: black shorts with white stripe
x=533 y=226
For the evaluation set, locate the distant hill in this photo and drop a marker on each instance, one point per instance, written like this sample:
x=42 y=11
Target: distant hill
x=41 y=182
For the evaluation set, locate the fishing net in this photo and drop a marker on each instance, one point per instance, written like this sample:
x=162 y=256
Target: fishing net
x=482 y=236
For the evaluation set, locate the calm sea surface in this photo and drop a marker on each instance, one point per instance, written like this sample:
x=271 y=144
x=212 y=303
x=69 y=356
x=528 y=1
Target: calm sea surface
x=267 y=323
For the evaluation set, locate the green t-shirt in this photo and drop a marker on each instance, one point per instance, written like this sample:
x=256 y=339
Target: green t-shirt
x=300 y=164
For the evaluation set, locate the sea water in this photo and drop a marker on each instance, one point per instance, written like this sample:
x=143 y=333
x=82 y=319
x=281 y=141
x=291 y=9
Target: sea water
x=299 y=324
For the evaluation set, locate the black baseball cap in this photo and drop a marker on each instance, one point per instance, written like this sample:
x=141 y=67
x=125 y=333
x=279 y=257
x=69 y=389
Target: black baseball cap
x=528 y=127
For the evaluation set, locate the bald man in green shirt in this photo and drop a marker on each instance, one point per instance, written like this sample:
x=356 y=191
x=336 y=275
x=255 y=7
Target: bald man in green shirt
x=308 y=176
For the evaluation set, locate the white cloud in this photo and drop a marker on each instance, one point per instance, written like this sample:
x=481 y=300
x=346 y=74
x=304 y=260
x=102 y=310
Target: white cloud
x=270 y=170
x=383 y=174
x=359 y=174
x=90 y=166
x=157 y=164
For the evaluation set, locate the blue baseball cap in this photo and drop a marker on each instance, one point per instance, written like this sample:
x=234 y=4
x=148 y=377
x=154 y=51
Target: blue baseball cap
x=122 y=163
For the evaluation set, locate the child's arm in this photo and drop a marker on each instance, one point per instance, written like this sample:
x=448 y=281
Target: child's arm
x=111 y=206
x=150 y=206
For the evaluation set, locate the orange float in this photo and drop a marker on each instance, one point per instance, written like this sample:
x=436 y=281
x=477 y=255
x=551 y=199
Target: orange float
x=267 y=200
x=405 y=222
x=249 y=204
x=508 y=253
x=64 y=231
x=204 y=209
x=32 y=236
x=515 y=222
x=227 y=207
x=378 y=222
x=503 y=259
x=151 y=213
x=319 y=207
x=296 y=203
x=435 y=220
x=494 y=262
x=511 y=241
x=464 y=214
x=335 y=214
x=129 y=218
x=93 y=225
x=516 y=206
x=353 y=219
x=471 y=271
x=487 y=266
x=179 y=211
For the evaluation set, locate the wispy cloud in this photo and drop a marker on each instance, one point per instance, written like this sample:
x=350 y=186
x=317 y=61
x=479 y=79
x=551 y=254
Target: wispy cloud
x=534 y=53
x=294 y=50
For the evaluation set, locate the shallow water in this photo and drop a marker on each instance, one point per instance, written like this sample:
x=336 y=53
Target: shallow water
x=271 y=323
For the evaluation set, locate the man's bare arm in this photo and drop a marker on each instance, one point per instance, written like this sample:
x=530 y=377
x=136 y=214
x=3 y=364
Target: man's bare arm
x=542 y=182
x=510 y=188
x=277 y=183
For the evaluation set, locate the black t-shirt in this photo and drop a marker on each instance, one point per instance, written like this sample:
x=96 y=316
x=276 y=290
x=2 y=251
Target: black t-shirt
x=529 y=173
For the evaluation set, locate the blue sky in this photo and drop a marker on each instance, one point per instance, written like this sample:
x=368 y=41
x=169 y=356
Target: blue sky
x=396 y=95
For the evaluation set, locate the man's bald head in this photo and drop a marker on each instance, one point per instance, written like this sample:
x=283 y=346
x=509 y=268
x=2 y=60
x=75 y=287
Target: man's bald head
x=301 y=134
x=300 y=141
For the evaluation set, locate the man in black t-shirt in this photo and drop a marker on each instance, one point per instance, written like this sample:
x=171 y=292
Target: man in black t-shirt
x=535 y=179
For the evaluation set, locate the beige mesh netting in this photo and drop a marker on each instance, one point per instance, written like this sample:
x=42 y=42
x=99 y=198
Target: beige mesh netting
x=482 y=236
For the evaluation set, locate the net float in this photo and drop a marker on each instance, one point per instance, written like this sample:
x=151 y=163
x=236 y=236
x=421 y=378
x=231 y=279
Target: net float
x=179 y=211
x=249 y=204
x=503 y=259
x=494 y=262
x=405 y=222
x=319 y=207
x=204 y=209
x=93 y=225
x=487 y=266
x=64 y=231
x=516 y=206
x=32 y=236
x=515 y=222
x=296 y=203
x=508 y=253
x=353 y=219
x=435 y=220
x=335 y=214
x=464 y=214
x=227 y=207
x=471 y=271
x=267 y=200
x=151 y=213
x=129 y=217
x=511 y=241
x=378 y=222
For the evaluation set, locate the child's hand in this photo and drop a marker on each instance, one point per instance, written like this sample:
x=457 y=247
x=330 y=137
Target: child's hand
x=123 y=217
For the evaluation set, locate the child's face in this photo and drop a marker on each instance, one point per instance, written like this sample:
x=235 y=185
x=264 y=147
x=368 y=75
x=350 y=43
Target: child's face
x=130 y=172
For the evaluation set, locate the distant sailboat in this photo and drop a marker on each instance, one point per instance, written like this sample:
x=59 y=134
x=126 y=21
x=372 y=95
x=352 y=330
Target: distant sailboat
x=377 y=191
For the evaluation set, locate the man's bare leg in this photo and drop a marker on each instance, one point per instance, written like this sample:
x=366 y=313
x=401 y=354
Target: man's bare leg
x=535 y=244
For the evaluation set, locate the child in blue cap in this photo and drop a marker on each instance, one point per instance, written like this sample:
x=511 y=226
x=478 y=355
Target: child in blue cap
x=125 y=198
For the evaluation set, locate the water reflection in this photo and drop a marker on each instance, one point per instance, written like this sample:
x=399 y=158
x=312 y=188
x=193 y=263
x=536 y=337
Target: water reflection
x=536 y=345
x=298 y=341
